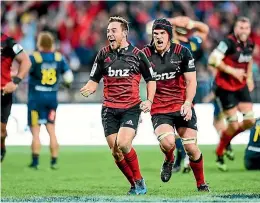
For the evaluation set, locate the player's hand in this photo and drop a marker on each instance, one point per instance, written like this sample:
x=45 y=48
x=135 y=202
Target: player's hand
x=186 y=111
x=9 y=88
x=251 y=85
x=181 y=21
x=239 y=74
x=86 y=91
x=145 y=106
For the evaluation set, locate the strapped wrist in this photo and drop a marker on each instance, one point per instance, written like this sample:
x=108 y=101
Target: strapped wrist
x=150 y=101
x=190 y=24
x=187 y=103
x=16 y=80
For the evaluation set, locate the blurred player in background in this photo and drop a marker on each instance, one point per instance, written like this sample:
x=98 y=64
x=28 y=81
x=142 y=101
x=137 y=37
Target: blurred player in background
x=175 y=74
x=234 y=80
x=48 y=66
x=190 y=34
x=252 y=154
x=121 y=65
x=10 y=51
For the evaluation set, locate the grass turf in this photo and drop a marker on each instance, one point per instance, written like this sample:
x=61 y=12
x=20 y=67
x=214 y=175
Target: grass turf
x=88 y=173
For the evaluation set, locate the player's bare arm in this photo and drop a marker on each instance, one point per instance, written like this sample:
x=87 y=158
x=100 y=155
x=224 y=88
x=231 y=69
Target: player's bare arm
x=89 y=88
x=146 y=105
x=191 y=85
x=24 y=66
x=250 y=80
x=95 y=77
x=147 y=73
x=201 y=29
x=216 y=60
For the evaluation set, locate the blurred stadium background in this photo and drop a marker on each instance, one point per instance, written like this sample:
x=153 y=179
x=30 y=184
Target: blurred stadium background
x=80 y=31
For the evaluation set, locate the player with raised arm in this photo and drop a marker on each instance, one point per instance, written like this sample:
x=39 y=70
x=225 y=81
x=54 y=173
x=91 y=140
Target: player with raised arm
x=175 y=76
x=233 y=59
x=10 y=50
x=48 y=68
x=121 y=65
x=191 y=34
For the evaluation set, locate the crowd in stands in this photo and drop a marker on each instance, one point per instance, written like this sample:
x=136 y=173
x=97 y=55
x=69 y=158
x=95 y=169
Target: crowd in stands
x=80 y=28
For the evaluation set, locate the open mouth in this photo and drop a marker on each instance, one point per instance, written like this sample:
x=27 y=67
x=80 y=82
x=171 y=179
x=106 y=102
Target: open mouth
x=111 y=41
x=160 y=42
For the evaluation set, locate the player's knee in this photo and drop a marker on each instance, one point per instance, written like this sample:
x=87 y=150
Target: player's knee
x=3 y=132
x=117 y=154
x=167 y=137
x=124 y=146
x=233 y=122
x=248 y=119
x=190 y=146
x=232 y=119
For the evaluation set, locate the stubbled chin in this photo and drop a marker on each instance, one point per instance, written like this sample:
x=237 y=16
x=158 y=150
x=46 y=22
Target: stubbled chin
x=112 y=45
x=243 y=37
x=160 y=48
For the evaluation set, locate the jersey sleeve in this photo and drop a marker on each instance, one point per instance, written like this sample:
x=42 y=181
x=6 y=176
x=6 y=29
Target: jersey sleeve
x=145 y=67
x=96 y=71
x=195 y=43
x=64 y=65
x=32 y=59
x=225 y=46
x=13 y=47
x=188 y=64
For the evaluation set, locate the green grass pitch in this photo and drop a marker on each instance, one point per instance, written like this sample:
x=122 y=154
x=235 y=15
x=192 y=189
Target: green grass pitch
x=88 y=173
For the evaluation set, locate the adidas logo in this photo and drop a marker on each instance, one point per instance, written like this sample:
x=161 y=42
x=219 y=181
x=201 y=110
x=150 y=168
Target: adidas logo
x=130 y=122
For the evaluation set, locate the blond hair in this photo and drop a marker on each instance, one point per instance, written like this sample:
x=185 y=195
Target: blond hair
x=45 y=41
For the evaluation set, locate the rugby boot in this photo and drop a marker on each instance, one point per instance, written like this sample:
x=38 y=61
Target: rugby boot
x=140 y=187
x=220 y=163
x=166 y=171
x=229 y=153
x=203 y=188
x=33 y=166
x=132 y=191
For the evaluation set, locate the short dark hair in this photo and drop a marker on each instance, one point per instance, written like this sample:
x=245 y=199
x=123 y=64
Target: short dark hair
x=124 y=22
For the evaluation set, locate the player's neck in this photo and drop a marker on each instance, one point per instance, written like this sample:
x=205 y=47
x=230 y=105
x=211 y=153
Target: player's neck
x=165 y=50
x=41 y=49
x=124 y=44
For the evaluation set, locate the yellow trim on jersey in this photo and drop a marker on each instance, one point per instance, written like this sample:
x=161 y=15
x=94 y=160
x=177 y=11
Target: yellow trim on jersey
x=193 y=46
x=257 y=133
x=176 y=41
x=37 y=56
x=57 y=56
x=34 y=118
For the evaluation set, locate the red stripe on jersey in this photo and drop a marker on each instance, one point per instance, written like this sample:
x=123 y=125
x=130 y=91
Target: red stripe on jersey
x=149 y=52
x=145 y=51
x=136 y=51
x=105 y=49
x=175 y=48
x=179 y=51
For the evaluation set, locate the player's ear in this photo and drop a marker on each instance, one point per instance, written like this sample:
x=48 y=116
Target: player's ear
x=124 y=33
